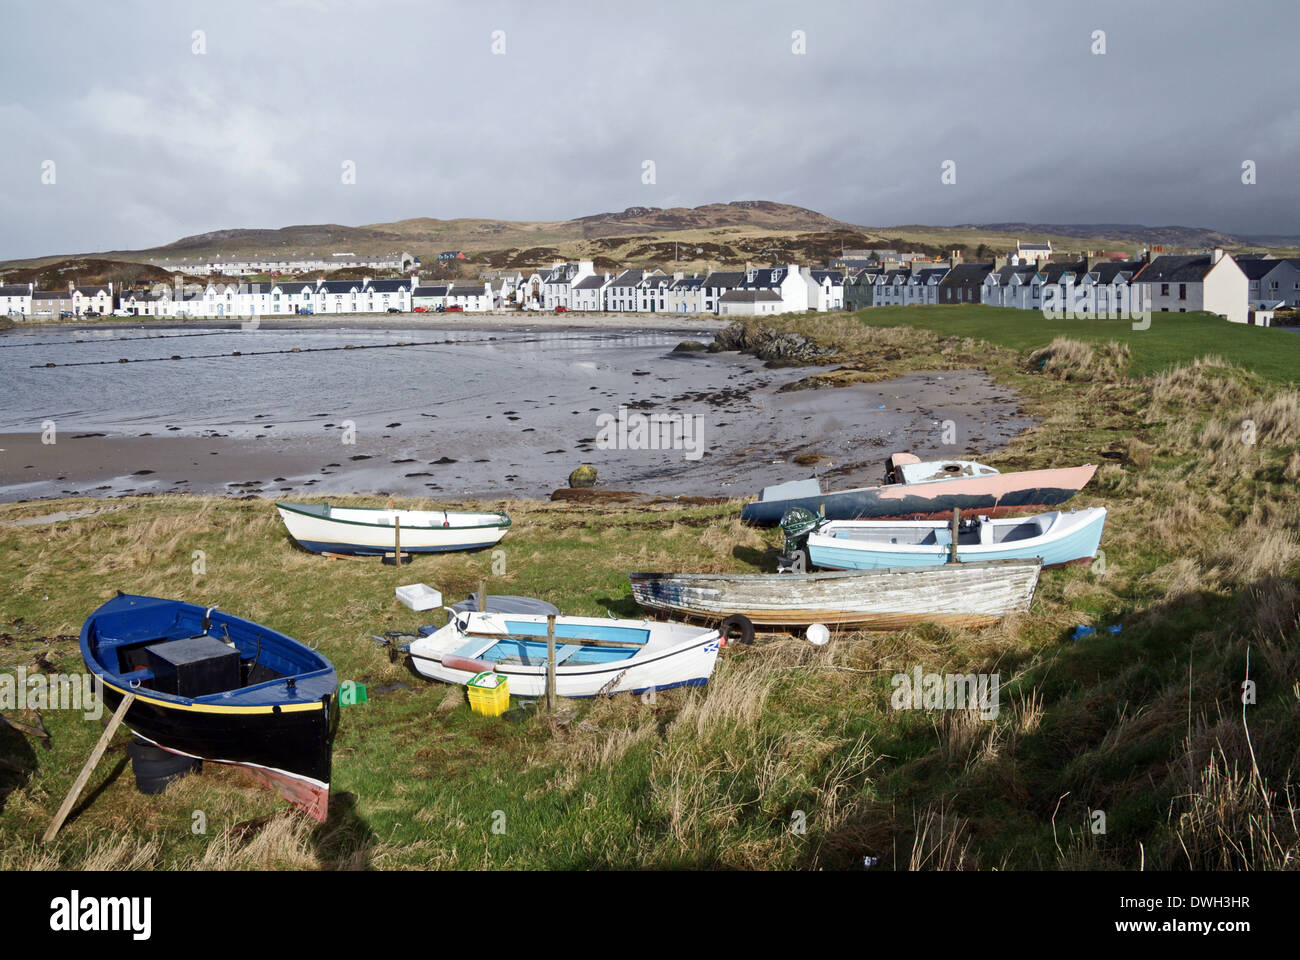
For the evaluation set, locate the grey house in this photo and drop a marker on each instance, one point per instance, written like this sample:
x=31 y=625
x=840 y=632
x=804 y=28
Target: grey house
x=1272 y=282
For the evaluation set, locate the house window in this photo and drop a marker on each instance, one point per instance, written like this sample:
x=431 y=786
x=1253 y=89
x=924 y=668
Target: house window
x=1164 y=289
x=1182 y=292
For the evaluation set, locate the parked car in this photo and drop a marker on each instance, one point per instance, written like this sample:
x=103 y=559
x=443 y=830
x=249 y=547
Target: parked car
x=394 y=310
x=420 y=310
x=455 y=310
x=561 y=309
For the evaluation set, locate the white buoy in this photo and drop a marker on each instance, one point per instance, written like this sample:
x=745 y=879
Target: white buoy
x=818 y=635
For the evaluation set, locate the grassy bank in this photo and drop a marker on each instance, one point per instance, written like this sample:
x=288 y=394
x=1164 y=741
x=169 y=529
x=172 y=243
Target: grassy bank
x=792 y=756
x=1172 y=339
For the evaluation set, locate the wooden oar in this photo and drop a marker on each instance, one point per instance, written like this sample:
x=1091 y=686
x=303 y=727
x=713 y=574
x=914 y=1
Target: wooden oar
x=91 y=762
x=582 y=641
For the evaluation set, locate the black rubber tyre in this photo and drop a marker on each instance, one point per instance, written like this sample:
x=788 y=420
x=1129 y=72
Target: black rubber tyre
x=155 y=768
x=737 y=629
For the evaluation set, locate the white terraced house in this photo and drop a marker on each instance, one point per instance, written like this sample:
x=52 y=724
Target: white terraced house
x=589 y=293
x=789 y=283
x=922 y=287
x=557 y=283
x=471 y=299
x=429 y=298
x=1209 y=281
x=1014 y=286
x=652 y=293
x=385 y=295
x=827 y=290
x=891 y=288
x=93 y=300
x=716 y=285
x=1107 y=289
x=16 y=300
x=620 y=295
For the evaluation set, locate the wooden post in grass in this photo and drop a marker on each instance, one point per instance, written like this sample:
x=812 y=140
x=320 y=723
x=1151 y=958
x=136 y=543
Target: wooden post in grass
x=482 y=596
x=91 y=762
x=956 y=524
x=550 y=663
x=397 y=541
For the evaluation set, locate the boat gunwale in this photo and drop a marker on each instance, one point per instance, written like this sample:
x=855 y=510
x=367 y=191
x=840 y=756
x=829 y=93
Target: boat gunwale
x=504 y=523
x=918 y=483
x=833 y=574
x=120 y=682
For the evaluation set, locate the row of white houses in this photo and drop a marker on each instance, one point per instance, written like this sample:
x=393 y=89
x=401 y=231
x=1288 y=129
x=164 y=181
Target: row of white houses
x=1213 y=281
x=1241 y=291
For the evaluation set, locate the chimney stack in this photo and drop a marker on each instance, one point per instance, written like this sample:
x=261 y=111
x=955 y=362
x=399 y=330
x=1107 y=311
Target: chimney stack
x=1217 y=255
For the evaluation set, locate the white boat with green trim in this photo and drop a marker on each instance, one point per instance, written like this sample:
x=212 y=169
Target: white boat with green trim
x=371 y=531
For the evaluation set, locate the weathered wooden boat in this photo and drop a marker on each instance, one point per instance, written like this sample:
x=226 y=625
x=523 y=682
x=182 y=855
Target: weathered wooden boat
x=592 y=655
x=956 y=594
x=917 y=490
x=1055 y=538
x=219 y=688
x=368 y=531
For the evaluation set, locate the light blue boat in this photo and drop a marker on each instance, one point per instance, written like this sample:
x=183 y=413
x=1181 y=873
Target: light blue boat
x=1056 y=538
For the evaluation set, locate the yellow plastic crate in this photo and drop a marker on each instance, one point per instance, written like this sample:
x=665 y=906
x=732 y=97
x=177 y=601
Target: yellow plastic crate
x=489 y=694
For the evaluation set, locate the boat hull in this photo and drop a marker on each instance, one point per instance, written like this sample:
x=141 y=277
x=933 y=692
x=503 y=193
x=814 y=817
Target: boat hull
x=687 y=661
x=960 y=595
x=277 y=720
x=998 y=495
x=288 y=750
x=1076 y=542
x=321 y=534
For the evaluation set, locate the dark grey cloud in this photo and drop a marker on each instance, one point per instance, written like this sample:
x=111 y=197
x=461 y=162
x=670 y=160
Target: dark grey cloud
x=151 y=141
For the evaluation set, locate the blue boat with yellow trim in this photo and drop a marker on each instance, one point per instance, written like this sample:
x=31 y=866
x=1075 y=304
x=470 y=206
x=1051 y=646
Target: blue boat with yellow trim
x=216 y=687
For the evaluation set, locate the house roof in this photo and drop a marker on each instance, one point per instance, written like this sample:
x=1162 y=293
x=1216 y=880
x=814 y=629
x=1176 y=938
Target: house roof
x=15 y=290
x=466 y=292
x=1054 y=272
x=440 y=291
x=765 y=277
x=749 y=296
x=966 y=272
x=1255 y=267
x=820 y=275
x=1178 y=269
x=51 y=295
x=339 y=286
x=389 y=286
x=689 y=283
x=590 y=283
x=1025 y=272
x=92 y=290
x=628 y=278
x=1112 y=270
x=922 y=277
x=724 y=278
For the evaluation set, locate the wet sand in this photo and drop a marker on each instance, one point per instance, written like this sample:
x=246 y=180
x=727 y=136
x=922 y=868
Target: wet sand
x=750 y=432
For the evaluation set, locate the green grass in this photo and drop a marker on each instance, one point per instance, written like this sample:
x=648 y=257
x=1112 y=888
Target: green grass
x=1172 y=339
x=1147 y=726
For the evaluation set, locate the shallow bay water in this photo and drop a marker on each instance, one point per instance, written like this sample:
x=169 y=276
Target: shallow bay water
x=490 y=413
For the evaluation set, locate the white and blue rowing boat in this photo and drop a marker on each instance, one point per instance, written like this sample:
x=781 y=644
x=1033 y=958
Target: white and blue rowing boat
x=1055 y=538
x=592 y=655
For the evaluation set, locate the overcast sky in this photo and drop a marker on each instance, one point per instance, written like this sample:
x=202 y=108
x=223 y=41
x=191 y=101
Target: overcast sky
x=151 y=141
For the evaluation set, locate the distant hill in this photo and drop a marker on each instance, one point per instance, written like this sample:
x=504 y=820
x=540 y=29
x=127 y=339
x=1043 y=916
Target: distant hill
x=1134 y=234
x=84 y=270
x=688 y=238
